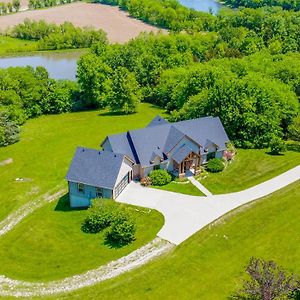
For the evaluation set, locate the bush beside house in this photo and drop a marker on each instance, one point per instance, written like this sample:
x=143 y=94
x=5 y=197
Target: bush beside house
x=215 y=165
x=160 y=177
x=107 y=214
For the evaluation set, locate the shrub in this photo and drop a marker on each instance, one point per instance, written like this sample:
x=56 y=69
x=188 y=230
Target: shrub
x=160 y=177
x=100 y=216
x=277 y=145
x=146 y=181
x=215 y=165
x=293 y=146
x=121 y=232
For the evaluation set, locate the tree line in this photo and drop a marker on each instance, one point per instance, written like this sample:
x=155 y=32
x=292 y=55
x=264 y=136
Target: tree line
x=55 y=37
x=285 y=4
x=27 y=93
x=256 y=97
x=36 y=4
x=9 y=7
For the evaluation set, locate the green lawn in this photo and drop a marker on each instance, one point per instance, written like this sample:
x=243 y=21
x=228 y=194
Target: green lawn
x=183 y=188
x=10 y=45
x=249 y=168
x=210 y=265
x=47 y=146
x=49 y=243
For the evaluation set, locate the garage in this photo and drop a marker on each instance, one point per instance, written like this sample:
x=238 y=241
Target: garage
x=122 y=184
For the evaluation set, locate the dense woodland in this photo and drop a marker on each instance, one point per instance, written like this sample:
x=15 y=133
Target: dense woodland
x=242 y=65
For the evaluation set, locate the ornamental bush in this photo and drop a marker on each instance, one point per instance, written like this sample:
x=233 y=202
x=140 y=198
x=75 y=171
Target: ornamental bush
x=215 y=165
x=121 y=232
x=100 y=216
x=277 y=145
x=160 y=177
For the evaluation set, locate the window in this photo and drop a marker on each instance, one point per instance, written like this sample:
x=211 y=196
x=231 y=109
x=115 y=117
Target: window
x=80 y=187
x=99 y=192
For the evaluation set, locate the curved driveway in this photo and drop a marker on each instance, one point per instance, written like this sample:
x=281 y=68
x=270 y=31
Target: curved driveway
x=185 y=215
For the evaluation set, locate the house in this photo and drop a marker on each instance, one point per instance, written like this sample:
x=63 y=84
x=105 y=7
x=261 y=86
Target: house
x=179 y=147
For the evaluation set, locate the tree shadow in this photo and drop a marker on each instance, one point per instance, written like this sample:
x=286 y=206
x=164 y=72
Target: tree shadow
x=113 y=244
x=274 y=154
x=115 y=113
x=63 y=204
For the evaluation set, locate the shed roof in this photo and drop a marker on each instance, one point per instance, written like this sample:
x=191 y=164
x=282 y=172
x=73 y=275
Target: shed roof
x=95 y=168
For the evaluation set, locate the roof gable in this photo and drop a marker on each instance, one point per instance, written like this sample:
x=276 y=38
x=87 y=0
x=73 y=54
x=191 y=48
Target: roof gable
x=95 y=168
x=182 y=153
x=158 y=120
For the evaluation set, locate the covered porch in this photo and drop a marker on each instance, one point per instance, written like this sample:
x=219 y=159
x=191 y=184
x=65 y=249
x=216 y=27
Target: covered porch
x=186 y=162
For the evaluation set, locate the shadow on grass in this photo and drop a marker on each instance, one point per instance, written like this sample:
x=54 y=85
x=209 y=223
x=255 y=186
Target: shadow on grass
x=116 y=113
x=63 y=204
x=113 y=244
x=274 y=154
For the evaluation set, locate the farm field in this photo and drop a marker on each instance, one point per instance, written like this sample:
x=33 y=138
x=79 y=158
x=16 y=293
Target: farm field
x=116 y=23
x=210 y=265
x=250 y=167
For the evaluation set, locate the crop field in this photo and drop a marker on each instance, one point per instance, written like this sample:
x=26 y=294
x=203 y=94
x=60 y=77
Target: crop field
x=116 y=23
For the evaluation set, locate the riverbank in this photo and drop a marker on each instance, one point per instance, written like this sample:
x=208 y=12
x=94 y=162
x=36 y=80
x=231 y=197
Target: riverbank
x=13 y=47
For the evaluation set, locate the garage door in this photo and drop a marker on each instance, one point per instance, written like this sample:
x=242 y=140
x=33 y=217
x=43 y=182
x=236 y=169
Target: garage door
x=121 y=185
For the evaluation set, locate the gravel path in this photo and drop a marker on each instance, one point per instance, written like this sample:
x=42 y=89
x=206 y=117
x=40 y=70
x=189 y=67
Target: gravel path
x=16 y=288
x=17 y=216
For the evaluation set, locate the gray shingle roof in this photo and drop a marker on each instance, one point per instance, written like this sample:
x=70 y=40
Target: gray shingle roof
x=181 y=153
x=121 y=143
x=142 y=143
x=174 y=136
x=95 y=168
x=158 y=120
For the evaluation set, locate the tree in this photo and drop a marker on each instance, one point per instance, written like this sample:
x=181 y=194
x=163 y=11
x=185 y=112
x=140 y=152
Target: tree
x=92 y=73
x=123 y=92
x=267 y=281
x=16 y=5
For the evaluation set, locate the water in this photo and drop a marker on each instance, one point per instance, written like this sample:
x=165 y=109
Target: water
x=60 y=65
x=202 y=5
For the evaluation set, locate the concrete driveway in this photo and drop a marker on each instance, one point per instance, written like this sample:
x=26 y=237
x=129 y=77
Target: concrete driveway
x=185 y=215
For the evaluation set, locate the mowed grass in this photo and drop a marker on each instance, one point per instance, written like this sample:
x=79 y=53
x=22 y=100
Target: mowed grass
x=182 y=188
x=49 y=243
x=9 y=45
x=47 y=146
x=250 y=167
x=210 y=265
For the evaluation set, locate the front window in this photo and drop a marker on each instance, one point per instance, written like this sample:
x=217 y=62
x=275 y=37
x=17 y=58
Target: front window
x=99 y=192
x=80 y=187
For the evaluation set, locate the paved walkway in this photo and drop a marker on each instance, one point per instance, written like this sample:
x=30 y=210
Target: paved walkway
x=185 y=214
x=199 y=186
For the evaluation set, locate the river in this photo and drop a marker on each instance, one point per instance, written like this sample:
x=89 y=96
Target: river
x=202 y=5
